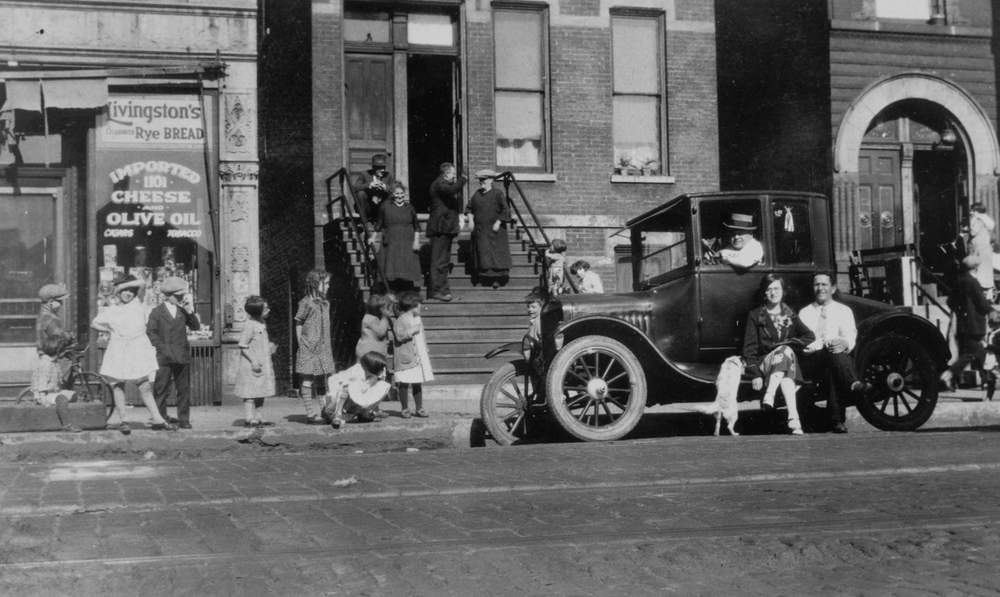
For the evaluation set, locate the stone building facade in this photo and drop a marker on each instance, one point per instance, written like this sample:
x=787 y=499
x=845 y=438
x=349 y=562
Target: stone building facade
x=129 y=147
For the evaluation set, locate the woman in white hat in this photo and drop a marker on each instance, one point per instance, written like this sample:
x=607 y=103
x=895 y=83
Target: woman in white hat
x=490 y=246
x=130 y=356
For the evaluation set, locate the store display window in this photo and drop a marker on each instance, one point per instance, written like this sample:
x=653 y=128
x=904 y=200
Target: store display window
x=29 y=253
x=153 y=199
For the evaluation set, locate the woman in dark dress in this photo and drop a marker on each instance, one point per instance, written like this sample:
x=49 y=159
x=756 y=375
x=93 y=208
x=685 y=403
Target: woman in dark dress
x=398 y=258
x=490 y=247
x=773 y=333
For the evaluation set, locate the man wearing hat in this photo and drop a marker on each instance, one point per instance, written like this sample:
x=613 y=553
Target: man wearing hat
x=744 y=251
x=53 y=339
x=373 y=186
x=167 y=330
x=442 y=227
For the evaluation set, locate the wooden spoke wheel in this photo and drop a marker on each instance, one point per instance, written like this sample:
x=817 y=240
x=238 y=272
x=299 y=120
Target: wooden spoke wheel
x=904 y=383
x=509 y=404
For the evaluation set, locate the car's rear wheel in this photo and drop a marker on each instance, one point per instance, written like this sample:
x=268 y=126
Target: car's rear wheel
x=508 y=405
x=904 y=383
x=596 y=388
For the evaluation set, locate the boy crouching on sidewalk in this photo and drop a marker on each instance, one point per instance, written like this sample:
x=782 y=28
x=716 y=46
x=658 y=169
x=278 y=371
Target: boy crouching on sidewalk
x=357 y=390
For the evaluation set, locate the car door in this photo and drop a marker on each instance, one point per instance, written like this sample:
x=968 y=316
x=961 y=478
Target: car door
x=726 y=293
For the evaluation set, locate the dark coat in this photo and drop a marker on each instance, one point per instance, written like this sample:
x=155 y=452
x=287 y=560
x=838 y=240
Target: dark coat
x=51 y=332
x=761 y=336
x=490 y=250
x=446 y=203
x=969 y=305
x=169 y=334
x=371 y=198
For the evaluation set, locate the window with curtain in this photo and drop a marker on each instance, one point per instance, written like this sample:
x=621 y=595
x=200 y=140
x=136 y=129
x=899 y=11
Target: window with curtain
x=637 y=103
x=519 y=44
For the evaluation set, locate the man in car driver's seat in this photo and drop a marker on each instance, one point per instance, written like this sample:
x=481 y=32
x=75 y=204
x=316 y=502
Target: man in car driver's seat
x=744 y=251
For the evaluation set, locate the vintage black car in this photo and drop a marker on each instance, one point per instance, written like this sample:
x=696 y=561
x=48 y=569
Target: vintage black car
x=604 y=358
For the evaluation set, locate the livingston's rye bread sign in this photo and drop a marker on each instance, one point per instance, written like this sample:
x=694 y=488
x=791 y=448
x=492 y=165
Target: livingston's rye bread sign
x=152 y=120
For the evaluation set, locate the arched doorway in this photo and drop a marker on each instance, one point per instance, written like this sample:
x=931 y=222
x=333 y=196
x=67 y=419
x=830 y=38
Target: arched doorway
x=912 y=152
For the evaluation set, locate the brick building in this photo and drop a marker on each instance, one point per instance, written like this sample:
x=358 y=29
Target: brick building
x=601 y=109
x=129 y=146
x=888 y=106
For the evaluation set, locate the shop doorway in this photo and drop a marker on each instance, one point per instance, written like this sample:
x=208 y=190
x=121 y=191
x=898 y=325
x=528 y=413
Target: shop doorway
x=431 y=121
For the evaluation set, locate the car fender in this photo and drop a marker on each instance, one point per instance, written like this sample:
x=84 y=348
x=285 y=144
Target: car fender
x=906 y=324
x=632 y=337
x=508 y=347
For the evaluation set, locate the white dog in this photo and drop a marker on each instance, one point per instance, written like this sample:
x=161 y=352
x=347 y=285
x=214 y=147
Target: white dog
x=727 y=385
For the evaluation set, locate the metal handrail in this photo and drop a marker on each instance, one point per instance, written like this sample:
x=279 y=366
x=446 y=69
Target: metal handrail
x=508 y=180
x=358 y=226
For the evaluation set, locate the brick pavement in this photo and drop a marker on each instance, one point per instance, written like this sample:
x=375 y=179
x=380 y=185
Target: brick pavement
x=632 y=517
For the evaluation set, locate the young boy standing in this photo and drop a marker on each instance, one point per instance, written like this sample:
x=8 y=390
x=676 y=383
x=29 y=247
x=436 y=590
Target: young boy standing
x=167 y=330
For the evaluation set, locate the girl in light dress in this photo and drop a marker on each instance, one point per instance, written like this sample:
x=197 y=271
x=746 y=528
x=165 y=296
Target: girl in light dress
x=314 y=360
x=130 y=356
x=254 y=370
x=412 y=362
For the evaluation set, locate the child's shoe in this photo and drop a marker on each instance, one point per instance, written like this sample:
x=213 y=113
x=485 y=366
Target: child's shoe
x=337 y=423
x=406 y=414
x=421 y=413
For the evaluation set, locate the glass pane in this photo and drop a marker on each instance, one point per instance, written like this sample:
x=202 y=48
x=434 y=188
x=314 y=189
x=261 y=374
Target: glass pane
x=27 y=253
x=430 y=30
x=518 y=49
x=715 y=236
x=792 y=238
x=637 y=134
x=664 y=244
x=903 y=9
x=371 y=27
x=519 y=129
x=636 y=55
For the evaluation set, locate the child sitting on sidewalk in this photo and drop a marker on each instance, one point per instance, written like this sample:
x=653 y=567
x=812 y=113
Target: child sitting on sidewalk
x=357 y=390
x=53 y=339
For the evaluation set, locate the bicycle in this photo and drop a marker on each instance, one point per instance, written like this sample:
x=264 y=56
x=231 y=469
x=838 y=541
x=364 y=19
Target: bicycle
x=87 y=386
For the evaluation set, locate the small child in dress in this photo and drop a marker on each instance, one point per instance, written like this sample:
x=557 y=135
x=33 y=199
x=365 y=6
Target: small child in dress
x=555 y=259
x=590 y=282
x=358 y=390
x=255 y=371
x=314 y=360
x=375 y=324
x=991 y=358
x=412 y=362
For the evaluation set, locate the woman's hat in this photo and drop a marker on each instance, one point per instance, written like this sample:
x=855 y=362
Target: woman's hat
x=740 y=222
x=52 y=291
x=128 y=283
x=486 y=173
x=173 y=285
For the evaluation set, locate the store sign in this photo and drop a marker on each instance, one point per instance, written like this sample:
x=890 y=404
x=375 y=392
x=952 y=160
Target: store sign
x=165 y=196
x=153 y=120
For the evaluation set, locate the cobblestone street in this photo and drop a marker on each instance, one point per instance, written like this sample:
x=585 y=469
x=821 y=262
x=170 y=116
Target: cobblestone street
x=874 y=514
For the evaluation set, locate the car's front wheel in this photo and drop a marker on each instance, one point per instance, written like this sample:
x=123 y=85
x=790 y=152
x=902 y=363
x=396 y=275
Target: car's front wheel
x=596 y=388
x=904 y=383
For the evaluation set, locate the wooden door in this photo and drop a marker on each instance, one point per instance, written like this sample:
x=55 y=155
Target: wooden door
x=369 y=109
x=880 y=204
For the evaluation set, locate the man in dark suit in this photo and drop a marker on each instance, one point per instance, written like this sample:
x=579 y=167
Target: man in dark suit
x=971 y=309
x=167 y=330
x=374 y=186
x=442 y=227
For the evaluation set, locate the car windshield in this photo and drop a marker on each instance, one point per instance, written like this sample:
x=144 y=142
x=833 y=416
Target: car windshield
x=662 y=245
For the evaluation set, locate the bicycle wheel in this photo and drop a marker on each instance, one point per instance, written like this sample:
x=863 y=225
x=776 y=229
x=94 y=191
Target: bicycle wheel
x=26 y=395
x=91 y=387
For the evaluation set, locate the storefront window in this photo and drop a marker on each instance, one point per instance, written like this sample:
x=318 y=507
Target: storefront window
x=152 y=205
x=28 y=255
x=367 y=27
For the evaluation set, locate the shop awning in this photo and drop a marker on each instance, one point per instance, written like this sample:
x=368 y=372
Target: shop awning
x=28 y=94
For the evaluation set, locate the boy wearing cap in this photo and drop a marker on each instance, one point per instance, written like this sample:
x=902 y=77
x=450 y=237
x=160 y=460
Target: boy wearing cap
x=53 y=339
x=167 y=330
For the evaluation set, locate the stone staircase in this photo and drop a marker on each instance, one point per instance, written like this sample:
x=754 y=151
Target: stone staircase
x=479 y=318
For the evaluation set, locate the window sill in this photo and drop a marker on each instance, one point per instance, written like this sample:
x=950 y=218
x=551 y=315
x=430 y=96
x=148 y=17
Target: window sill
x=534 y=176
x=648 y=179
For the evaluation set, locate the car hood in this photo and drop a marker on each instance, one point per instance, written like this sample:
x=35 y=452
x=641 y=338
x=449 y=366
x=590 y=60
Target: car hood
x=580 y=305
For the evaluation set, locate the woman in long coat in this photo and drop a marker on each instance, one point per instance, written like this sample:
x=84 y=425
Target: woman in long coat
x=772 y=335
x=398 y=258
x=490 y=247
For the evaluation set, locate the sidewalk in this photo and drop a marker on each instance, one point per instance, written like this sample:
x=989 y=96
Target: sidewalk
x=453 y=410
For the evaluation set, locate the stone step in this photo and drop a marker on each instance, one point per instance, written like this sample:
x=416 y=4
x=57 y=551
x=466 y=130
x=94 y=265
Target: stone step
x=470 y=348
x=462 y=308
x=460 y=321
x=460 y=270
x=483 y=334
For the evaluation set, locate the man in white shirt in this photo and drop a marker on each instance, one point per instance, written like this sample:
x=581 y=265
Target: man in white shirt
x=744 y=251
x=829 y=355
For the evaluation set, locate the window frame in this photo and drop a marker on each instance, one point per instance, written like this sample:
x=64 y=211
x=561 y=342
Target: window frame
x=546 y=92
x=661 y=58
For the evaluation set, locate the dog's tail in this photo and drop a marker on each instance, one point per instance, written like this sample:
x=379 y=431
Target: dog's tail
x=707 y=409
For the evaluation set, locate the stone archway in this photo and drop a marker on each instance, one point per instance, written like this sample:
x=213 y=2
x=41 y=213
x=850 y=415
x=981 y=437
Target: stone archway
x=975 y=127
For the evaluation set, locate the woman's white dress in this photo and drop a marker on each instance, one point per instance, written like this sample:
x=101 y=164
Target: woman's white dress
x=130 y=355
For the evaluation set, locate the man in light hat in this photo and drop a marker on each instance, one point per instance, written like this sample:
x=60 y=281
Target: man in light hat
x=374 y=186
x=744 y=251
x=53 y=339
x=167 y=330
